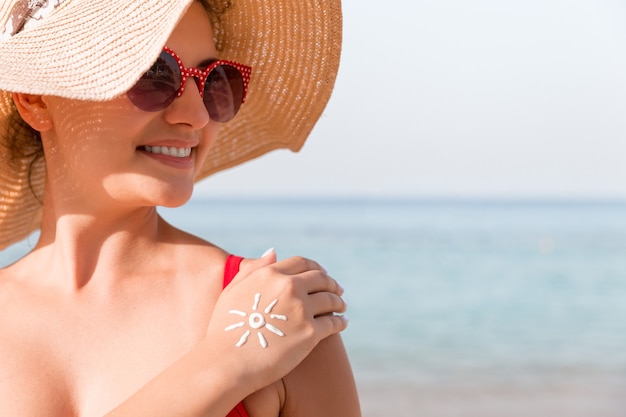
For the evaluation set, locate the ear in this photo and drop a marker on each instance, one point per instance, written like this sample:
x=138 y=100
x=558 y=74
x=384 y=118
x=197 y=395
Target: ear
x=34 y=110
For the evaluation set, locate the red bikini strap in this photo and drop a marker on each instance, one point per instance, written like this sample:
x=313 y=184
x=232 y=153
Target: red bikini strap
x=231 y=268
x=238 y=411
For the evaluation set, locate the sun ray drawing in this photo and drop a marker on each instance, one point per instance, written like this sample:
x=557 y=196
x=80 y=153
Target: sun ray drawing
x=257 y=322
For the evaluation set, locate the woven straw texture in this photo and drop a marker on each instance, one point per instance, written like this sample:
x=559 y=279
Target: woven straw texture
x=97 y=50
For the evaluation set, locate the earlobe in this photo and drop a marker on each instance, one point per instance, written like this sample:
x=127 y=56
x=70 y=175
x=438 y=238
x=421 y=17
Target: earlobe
x=34 y=110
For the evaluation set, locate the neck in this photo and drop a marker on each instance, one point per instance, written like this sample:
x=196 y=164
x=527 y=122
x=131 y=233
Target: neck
x=81 y=248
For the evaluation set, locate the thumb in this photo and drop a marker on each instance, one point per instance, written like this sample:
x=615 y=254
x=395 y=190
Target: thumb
x=268 y=258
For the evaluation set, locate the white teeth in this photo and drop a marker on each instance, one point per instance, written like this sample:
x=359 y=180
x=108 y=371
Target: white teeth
x=170 y=151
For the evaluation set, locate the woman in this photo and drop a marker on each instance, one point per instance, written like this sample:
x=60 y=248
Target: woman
x=115 y=312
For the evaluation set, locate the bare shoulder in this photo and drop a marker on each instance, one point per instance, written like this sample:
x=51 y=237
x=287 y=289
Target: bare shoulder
x=5 y=280
x=17 y=300
x=7 y=289
x=14 y=308
x=12 y=289
x=323 y=384
x=199 y=255
x=22 y=352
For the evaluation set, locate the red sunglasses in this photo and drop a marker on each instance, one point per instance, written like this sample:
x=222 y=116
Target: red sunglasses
x=223 y=85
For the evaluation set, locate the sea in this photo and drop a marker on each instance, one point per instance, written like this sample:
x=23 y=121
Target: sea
x=457 y=307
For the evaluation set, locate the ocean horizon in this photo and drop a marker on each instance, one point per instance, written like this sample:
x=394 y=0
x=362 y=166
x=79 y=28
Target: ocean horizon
x=458 y=307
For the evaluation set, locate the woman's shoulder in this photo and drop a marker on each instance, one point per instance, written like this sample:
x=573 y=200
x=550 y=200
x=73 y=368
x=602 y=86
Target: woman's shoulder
x=18 y=303
x=188 y=244
x=200 y=256
x=322 y=384
x=13 y=278
x=7 y=285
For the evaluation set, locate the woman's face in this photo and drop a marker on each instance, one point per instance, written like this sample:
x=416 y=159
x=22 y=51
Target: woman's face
x=97 y=150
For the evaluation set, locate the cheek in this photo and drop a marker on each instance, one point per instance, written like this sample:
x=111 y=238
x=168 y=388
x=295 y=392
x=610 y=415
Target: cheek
x=209 y=135
x=85 y=135
x=90 y=120
x=93 y=124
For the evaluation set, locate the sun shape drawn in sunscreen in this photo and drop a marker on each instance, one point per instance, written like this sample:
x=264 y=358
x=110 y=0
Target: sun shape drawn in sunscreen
x=257 y=321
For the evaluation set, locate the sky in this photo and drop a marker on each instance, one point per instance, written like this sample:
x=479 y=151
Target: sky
x=463 y=99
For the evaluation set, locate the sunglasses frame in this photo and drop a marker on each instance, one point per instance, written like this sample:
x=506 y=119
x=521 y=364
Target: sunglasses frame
x=201 y=75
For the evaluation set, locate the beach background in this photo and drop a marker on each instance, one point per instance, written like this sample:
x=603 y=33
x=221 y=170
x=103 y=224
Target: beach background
x=457 y=308
x=467 y=185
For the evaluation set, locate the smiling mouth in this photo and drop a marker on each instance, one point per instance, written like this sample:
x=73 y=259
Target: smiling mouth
x=168 y=150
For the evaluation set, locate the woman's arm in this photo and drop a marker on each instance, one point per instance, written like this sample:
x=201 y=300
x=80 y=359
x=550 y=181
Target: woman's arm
x=323 y=384
x=221 y=370
x=199 y=384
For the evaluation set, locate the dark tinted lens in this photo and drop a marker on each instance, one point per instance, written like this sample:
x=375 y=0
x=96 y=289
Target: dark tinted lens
x=223 y=93
x=158 y=87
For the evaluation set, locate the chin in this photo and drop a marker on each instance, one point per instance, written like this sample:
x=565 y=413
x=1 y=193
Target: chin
x=172 y=195
x=172 y=200
x=173 y=203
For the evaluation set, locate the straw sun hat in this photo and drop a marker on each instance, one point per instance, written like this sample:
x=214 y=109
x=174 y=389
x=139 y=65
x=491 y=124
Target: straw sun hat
x=96 y=50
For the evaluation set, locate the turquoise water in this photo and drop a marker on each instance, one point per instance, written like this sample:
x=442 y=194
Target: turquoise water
x=446 y=287
x=442 y=288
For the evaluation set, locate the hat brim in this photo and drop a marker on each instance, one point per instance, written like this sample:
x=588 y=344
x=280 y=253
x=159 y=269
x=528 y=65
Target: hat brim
x=293 y=47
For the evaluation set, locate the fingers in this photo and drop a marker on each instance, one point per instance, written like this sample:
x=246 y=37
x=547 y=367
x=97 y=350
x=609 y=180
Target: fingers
x=290 y=266
x=304 y=279
x=250 y=265
x=318 y=281
x=297 y=265
x=268 y=258
x=330 y=324
x=313 y=275
x=327 y=303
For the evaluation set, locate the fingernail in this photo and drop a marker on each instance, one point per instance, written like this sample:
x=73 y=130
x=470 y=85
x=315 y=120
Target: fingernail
x=267 y=252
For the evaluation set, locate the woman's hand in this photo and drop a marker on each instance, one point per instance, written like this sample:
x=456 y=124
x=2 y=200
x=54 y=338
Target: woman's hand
x=226 y=367
x=272 y=316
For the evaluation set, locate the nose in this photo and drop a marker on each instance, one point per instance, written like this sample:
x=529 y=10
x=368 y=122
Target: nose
x=189 y=108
